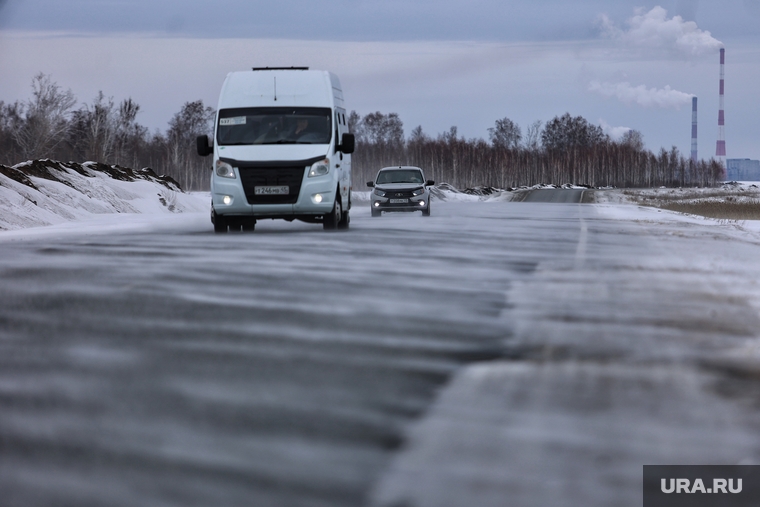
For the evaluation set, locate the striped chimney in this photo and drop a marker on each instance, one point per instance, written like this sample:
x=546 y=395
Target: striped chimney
x=694 y=129
x=720 y=148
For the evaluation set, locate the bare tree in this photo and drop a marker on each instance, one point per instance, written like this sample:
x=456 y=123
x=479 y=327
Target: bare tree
x=130 y=136
x=193 y=120
x=354 y=121
x=505 y=134
x=449 y=137
x=633 y=139
x=379 y=128
x=45 y=120
x=11 y=118
x=100 y=129
x=533 y=135
x=565 y=132
x=417 y=135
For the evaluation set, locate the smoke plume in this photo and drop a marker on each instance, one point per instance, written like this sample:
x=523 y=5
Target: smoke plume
x=654 y=30
x=616 y=133
x=664 y=98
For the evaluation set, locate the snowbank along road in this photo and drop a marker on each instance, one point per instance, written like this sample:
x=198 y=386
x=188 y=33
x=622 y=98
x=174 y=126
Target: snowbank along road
x=492 y=354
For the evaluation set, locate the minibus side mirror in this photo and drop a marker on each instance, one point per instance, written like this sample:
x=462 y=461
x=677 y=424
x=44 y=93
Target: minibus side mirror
x=370 y=184
x=429 y=183
x=204 y=147
x=347 y=143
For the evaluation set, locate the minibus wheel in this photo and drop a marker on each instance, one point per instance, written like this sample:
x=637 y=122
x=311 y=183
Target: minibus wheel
x=330 y=221
x=220 y=224
x=345 y=219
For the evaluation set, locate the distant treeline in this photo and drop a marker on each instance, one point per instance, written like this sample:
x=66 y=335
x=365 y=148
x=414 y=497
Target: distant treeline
x=564 y=150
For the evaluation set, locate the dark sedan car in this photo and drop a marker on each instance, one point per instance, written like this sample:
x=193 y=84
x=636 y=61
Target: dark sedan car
x=401 y=188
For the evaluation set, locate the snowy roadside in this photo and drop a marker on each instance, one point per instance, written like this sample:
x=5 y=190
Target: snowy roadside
x=742 y=190
x=448 y=193
x=71 y=196
x=731 y=201
x=45 y=192
x=75 y=197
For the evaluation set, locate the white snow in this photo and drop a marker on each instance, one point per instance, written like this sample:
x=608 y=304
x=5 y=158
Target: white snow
x=90 y=195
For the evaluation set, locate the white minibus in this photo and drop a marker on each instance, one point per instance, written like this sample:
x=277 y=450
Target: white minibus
x=281 y=150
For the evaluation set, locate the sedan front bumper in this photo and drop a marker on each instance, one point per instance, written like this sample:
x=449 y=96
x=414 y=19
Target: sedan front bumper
x=385 y=204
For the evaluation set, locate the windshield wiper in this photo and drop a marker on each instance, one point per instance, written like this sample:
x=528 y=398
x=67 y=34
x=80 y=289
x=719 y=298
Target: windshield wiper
x=281 y=141
x=290 y=141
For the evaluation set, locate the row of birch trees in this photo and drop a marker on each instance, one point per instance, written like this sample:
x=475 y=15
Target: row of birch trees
x=50 y=125
x=564 y=150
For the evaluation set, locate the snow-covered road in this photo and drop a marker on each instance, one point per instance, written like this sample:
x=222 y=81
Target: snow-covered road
x=495 y=353
x=639 y=346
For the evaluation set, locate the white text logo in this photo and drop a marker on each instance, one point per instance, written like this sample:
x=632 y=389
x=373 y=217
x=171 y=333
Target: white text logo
x=685 y=486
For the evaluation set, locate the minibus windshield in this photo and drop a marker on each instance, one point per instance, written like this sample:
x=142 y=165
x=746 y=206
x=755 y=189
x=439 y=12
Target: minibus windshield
x=274 y=125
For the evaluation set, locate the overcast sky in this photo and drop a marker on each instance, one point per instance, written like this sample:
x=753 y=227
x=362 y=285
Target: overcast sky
x=437 y=63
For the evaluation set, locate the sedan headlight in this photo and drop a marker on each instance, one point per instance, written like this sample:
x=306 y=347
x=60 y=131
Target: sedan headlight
x=319 y=168
x=379 y=192
x=418 y=191
x=224 y=170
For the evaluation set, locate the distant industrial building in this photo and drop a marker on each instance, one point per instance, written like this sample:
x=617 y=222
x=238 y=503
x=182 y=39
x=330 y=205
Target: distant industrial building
x=742 y=169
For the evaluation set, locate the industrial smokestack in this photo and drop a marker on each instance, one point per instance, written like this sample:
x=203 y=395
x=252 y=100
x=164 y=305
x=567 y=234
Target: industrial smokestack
x=694 y=129
x=720 y=148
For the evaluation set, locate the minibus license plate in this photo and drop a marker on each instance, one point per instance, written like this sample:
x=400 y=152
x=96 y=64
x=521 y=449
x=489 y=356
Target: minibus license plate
x=279 y=190
x=399 y=201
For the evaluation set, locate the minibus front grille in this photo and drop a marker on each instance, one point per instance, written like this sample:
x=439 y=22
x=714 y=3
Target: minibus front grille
x=253 y=177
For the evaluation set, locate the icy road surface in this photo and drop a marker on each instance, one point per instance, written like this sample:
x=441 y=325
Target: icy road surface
x=492 y=354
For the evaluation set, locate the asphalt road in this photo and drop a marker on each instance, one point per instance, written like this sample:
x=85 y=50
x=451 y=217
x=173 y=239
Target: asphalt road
x=285 y=367
x=273 y=368
x=555 y=195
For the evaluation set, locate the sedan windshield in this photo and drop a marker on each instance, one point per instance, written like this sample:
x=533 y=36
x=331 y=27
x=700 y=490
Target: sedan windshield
x=399 y=176
x=274 y=125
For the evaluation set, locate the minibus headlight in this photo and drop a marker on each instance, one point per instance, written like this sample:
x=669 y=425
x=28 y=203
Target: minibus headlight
x=418 y=191
x=379 y=192
x=224 y=170
x=319 y=168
